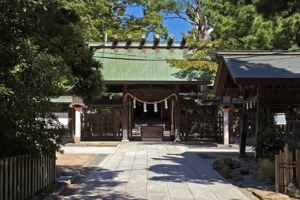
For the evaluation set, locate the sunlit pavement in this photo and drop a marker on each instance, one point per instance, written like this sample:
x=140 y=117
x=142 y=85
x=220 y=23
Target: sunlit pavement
x=160 y=171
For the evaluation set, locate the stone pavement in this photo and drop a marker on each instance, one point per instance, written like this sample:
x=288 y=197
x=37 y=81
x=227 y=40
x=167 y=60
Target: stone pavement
x=138 y=170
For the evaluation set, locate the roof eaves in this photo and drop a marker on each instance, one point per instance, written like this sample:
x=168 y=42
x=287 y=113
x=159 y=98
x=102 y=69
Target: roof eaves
x=140 y=45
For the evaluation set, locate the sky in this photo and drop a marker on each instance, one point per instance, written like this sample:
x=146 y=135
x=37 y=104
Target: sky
x=175 y=26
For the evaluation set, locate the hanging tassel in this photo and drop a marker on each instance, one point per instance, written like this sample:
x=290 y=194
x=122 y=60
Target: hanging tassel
x=247 y=106
x=166 y=104
x=155 y=107
x=145 y=107
x=250 y=105
x=134 y=103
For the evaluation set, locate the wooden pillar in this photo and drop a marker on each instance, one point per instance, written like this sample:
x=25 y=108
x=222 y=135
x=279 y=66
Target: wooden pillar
x=186 y=122
x=85 y=132
x=125 y=116
x=129 y=119
x=172 y=132
x=77 y=136
x=177 y=119
x=226 y=124
x=244 y=127
x=115 y=123
x=260 y=114
x=230 y=124
x=70 y=122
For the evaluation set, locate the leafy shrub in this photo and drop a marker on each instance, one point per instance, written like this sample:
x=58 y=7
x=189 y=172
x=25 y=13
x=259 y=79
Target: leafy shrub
x=269 y=143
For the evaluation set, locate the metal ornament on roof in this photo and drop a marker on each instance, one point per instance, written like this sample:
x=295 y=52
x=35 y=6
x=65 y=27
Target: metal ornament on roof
x=149 y=102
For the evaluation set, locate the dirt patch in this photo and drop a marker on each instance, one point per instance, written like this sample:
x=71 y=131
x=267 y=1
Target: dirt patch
x=74 y=160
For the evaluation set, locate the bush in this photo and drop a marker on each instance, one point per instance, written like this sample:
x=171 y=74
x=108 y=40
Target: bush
x=269 y=143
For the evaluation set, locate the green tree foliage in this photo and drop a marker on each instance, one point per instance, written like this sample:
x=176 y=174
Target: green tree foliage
x=198 y=57
x=41 y=55
x=109 y=16
x=191 y=11
x=245 y=21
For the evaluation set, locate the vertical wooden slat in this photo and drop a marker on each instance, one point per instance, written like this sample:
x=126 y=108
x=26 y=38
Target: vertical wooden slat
x=5 y=179
x=54 y=170
x=291 y=164
x=27 y=174
x=33 y=167
x=281 y=171
x=39 y=166
x=15 y=188
x=286 y=171
x=2 y=179
x=10 y=178
x=47 y=170
x=298 y=166
x=47 y=165
x=22 y=177
x=277 y=173
x=17 y=191
x=51 y=170
x=43 y=171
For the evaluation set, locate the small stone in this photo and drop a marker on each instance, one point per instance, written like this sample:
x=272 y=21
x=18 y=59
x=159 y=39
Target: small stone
x=68 y=172
x=225 y=172
x=260 y=175
x=58 y=171
x=268 y=181
x=236 y=175
x=292 y=190
x=243 y=170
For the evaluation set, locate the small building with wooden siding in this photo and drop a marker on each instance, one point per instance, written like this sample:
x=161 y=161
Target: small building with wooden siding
x=268 y=82
x=144 y=97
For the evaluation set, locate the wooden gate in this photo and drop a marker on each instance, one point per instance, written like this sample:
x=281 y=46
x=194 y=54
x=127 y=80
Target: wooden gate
x=102 y=123
x=201 y=122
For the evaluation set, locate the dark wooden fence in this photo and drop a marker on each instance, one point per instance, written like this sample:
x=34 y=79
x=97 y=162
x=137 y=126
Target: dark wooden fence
x=285 y=167
x=22 y=176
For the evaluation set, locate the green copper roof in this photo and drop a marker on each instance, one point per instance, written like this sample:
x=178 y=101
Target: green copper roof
x=145 y=64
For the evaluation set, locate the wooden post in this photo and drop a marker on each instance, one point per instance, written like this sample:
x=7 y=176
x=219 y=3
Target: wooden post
x=125 y=116
x=115 y=123
x=14 y=179
x=70 y=122
x=10 y=175
x=129 y=119
x=286 y=170
x=277 y=181
x=177 y=118
x=226 y=124
x=260 y=114
x=1 y=179
x=85 y=128
x=244 y=127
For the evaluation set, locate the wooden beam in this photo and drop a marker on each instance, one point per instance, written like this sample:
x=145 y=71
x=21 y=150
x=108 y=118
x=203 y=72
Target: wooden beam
x=183 y=41
x=156 y=38
x=143 y=38
x=171 y=39
x=116 y=39
x=244 y=127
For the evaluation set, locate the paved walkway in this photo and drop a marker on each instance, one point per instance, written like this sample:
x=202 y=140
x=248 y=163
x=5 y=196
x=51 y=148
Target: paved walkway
x=137 y=170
